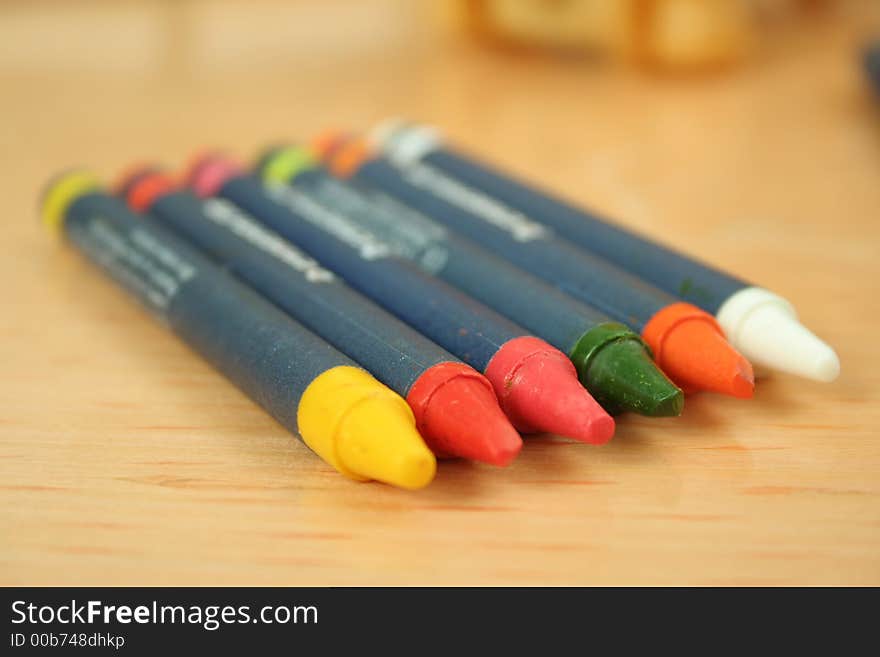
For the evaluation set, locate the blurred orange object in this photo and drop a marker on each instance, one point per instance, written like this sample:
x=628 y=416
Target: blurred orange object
x=680 y=34
x=575 y=24
x=663 y=34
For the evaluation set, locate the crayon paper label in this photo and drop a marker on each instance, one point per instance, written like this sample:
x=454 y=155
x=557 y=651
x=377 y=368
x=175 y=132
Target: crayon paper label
x=133 y=257
x=370 y=221
x=237 y=221
x=341 y=227
x=432 y=180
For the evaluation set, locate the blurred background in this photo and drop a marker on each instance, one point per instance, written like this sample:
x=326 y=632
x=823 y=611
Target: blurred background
x=167 y=76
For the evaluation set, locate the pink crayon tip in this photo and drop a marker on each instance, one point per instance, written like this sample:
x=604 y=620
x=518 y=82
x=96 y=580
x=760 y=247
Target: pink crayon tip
x=208 y=172
x=538 y=389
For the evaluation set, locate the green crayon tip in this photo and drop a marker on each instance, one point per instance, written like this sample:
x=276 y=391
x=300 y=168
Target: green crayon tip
x=615 y=365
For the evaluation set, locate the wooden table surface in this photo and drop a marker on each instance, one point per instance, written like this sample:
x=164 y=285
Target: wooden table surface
x=127 y=460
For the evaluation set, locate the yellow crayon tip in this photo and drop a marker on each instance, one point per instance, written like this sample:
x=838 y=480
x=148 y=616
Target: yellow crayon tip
x=61 y=192
x=364 y=429
x=377 y=440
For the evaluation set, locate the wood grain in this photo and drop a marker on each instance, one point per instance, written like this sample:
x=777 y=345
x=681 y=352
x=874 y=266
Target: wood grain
x=127 y=460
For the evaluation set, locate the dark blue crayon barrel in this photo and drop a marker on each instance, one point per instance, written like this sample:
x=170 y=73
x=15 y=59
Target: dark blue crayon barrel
x=666 y=268
x=545 y=311
x=525 y=243
x=450 y=318
x=261 y=350
x=393 y=352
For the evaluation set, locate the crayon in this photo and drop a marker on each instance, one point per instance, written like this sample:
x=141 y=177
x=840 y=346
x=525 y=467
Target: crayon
x=762 y=325
x=612 y=361
x=687 y=342
x=347 y=417
x=455 y=407
x=535 y=383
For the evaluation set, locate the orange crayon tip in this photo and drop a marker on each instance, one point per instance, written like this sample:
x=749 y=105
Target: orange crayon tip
x=691 y=348
x=348 y=155
x=325 y=144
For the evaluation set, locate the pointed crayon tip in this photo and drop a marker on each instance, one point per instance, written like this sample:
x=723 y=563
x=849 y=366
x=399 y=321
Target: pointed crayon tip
x=133 y=175
x=665 y=405
x=363 y=429
x=690 y=347
x=824 y=367
x=376 y=442
x=209 y=171
x=616 y=366
x=458 y=414
x=742 y=384
x=538 y=389
x=765 y=328
x=141 y=189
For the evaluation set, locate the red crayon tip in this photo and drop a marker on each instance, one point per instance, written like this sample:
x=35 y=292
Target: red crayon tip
x=131 y=175
x=538 y=388
x=140 y=188
x=457 y=414
x=690 y=347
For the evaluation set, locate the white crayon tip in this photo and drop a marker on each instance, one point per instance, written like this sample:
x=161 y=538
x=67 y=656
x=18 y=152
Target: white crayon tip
x=387 y=130
x=407 y=143
x=765 y=329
